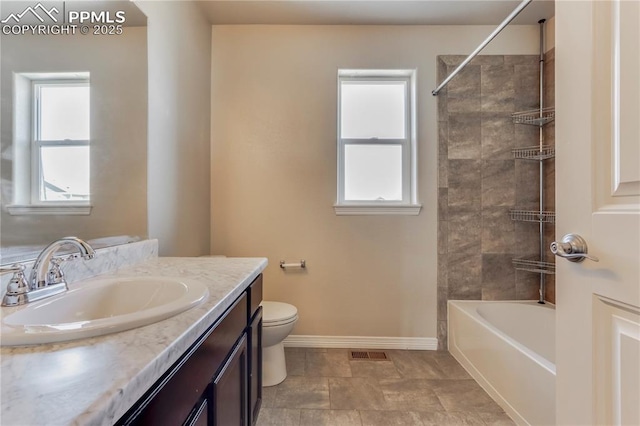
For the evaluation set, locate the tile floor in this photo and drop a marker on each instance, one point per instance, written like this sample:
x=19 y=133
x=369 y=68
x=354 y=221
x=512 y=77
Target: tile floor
x=418 y=388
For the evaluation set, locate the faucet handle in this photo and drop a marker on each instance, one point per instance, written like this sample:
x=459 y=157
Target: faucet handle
x=55 y=274
x=15 y=268
x=17 y=287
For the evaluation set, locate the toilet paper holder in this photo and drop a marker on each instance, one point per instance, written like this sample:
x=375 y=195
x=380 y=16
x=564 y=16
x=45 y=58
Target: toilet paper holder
x=302 y=264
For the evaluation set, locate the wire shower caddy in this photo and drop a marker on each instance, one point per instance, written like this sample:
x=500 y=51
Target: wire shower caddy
x=537 y=117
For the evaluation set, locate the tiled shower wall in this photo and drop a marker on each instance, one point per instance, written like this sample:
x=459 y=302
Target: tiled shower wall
x=480 y=181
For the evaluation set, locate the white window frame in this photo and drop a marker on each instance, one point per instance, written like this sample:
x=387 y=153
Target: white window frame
x=408 y=205
x=27 y=173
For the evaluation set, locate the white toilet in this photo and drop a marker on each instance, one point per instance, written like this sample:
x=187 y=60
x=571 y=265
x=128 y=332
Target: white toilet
x=278 y=320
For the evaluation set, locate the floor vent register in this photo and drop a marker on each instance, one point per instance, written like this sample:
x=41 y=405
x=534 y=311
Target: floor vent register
x=368 y=356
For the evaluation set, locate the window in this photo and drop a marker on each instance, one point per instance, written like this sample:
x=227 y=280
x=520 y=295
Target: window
x=51 y=143
x=376 y=142
x=61 y=141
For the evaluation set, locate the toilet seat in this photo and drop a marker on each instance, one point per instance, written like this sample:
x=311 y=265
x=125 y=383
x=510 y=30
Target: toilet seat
x=278 y=313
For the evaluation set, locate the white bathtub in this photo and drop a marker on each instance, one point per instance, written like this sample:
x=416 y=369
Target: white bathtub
x=509 y=348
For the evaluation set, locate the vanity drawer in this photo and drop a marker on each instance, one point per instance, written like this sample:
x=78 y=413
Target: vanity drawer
x=255 y=296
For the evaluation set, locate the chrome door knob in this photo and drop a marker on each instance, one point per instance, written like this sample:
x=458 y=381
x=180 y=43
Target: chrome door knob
x=573 y=248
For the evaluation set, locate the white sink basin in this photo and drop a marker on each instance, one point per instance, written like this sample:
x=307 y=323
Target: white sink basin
x=99 y=306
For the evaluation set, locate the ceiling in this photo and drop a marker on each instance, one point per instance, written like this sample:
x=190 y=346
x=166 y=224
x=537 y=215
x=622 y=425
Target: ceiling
x=373 y=12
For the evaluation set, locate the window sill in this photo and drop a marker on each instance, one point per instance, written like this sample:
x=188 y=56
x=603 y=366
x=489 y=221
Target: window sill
x=364 y=209
x=55 y=209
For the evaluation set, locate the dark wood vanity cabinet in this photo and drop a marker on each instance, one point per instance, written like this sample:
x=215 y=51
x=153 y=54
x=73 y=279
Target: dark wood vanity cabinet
x=229 y=396
x=200 y=415
x=255 y=367
x=218 y=381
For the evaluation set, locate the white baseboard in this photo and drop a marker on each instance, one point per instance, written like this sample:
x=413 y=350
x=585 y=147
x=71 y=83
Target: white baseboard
x=362 y=342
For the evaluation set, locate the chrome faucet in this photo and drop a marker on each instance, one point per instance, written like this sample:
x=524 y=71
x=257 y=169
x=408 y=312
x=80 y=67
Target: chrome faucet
x=46 y=270
x=47 y=279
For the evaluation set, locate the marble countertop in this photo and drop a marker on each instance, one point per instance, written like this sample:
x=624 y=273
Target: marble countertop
x=95 y=381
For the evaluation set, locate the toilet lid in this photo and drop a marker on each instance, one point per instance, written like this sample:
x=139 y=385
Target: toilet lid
x=278 y=312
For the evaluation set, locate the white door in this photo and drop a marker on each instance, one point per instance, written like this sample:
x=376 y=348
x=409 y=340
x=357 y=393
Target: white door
x=598 y=197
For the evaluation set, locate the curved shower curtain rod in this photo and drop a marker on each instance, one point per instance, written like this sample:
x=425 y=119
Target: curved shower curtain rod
x=495 y=32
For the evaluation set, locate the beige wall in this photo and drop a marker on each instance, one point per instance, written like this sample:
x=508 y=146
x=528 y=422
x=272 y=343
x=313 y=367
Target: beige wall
x=550 y=34
x=118 y=75
x=274 y=170
x=179 y=127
